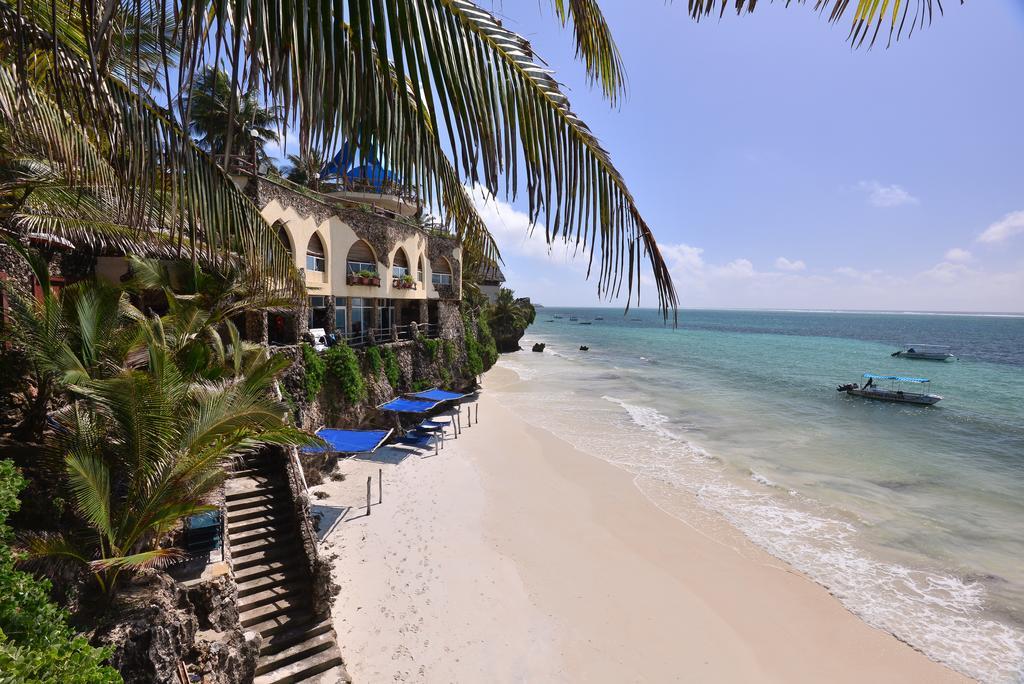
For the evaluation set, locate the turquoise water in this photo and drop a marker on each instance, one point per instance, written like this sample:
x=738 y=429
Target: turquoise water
x=912 y=516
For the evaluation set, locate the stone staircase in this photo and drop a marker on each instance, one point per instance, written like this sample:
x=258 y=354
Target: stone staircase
x=274 y=595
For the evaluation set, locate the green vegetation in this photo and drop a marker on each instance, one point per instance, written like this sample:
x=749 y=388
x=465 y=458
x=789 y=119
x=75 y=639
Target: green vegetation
x=446 y=378
x=152 y=409
x=421 y=385
x=343 y=366
x=36 y=644
x=450 y=352
x=391 y=368
x=373 y=359
x=315 y=369
x=432 y=347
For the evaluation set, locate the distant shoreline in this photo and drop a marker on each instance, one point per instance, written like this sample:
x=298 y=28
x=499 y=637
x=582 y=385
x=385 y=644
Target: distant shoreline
x=892 y=312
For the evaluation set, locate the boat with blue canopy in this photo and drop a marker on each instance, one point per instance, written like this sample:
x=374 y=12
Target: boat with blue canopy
x=893 y=391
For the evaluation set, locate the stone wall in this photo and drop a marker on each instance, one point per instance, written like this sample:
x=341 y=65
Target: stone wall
x=319 y=569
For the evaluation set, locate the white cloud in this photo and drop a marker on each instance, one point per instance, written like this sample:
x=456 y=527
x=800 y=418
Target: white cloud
x=947 y=272
x=1006 y=227
x=740 y=268
x=784 y=264
x=957 y=254
x=879 y=195
x=515 y=234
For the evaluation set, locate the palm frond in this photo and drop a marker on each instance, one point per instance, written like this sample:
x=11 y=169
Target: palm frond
x=869 y=16
x=595 y=45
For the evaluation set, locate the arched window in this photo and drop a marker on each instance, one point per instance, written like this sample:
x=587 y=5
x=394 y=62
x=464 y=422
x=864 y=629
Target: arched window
x=442 y=271
x=400 y=265
x=419 y=269
x=316 y=258
x=360 y=258
x=282 y=235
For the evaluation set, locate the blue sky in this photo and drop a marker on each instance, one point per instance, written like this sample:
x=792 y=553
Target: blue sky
x=779 y=168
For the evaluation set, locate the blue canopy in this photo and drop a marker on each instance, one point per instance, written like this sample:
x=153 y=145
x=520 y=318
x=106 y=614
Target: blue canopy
x=898 y=378
x=405 y=405
x=349 y=441
x=435 y=394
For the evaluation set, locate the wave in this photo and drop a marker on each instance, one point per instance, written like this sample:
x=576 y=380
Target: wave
x=938 y=613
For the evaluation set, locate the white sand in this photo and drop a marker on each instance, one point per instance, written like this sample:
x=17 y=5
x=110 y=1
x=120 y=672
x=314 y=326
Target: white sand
x=513 y=557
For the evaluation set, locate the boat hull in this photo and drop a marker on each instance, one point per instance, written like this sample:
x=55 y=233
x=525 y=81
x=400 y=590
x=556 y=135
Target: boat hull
x=896 y=396
x=926 y=356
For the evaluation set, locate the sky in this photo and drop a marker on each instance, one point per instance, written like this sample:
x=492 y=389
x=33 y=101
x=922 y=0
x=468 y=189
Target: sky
x=779 y=168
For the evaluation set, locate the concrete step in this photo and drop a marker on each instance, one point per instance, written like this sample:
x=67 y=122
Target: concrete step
x=311 y=646
x=257 y=500
x=296 y=619
x=293 y=566
x=336 y=675
x=285 y=640
x=256 y=543
x=269 y=611
x=267 y=581
x=261 y=488
x=283 y=528
x=251 y=524
x=274 y=592
x=245 y=472
x=269 y=552
x=303 y=670
x=272 y=510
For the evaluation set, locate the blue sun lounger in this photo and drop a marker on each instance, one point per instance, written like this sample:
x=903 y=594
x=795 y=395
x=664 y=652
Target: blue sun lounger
x=413 y=438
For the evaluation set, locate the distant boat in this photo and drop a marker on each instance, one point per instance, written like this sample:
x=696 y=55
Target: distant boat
x=598 y=318
x=586 y=322
x=574 y=318
x=927 y=352
x=559 y=316
x=635 y=319
x=894 y=392
x=550 y=320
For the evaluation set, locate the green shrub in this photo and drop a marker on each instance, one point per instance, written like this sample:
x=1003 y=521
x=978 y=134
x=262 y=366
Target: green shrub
x=313 y=379
x=373 y=359
x=420 y=385
x=446 y=378
x=391 y=367
x=343 y=365
x=450 y=352
x=432 y=347
x=488 y=347
x=36 y=643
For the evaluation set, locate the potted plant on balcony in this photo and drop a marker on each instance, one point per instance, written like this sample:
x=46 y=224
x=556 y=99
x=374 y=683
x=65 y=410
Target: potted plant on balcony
x=374 y=279
x=406 y=282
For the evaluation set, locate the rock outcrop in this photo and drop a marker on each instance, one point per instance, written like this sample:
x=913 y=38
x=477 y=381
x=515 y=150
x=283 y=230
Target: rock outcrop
x=538 y=346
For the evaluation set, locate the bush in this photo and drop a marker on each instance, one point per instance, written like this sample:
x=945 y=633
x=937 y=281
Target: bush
x=432 y=347
x=450 y=352
x=391 y=367
x=420 y=385
x=488 y=347
x=343 y=366
x=373 y=359
x=446 y=378
x=36 y=643
x=313 y=379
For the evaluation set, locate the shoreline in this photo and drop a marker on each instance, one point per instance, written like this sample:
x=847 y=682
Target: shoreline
x=513 y=556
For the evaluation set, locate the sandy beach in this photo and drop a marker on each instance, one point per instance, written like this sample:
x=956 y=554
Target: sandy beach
x=511 y=556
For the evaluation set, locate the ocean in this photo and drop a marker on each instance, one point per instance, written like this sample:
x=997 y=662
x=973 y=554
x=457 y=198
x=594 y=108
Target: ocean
x=912 y=516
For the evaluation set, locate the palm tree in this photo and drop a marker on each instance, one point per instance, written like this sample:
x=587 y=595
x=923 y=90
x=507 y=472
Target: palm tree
x=305 y=169
x=215 y=110
x=508 y=313
x=143 y=449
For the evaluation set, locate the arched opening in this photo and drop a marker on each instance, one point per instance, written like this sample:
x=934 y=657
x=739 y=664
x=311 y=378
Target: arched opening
x=419 y=269
x=316 y=257
x=400 y=264
x=360 y=258
x=442 y=271
x=282 y=235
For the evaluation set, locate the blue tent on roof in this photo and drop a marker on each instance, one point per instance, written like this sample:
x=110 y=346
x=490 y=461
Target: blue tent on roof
x=370 y=169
